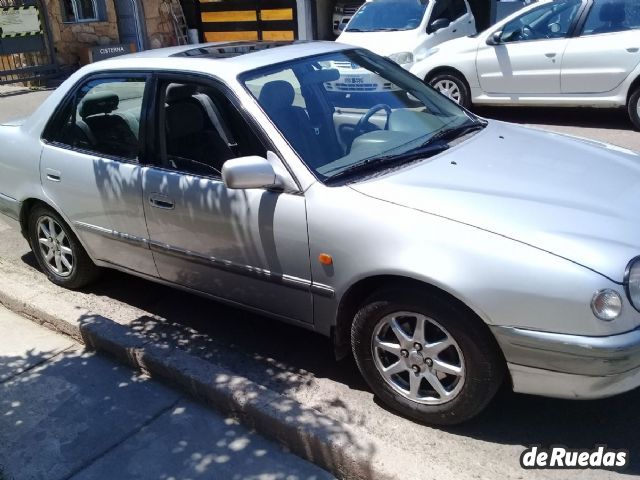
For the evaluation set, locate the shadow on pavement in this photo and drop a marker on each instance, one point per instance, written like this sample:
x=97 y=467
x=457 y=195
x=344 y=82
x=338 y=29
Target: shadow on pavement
x=603 y=118
x=286 y=358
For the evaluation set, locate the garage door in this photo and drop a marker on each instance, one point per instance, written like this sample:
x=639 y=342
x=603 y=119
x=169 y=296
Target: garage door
x=224 y=20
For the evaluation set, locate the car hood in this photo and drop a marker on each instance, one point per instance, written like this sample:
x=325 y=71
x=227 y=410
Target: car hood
x=382 y=43
x=575 y=198
x=18 y=122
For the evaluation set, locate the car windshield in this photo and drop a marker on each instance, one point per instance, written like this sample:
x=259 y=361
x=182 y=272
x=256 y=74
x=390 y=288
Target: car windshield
x=353 y=110
x=388 y=15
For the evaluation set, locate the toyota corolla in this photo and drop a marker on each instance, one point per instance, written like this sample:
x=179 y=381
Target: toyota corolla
x=448 y=253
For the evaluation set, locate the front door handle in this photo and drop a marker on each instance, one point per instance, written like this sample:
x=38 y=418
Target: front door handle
x=633 y=49
x=550 y=55
x=161 y=201
x=53 y=175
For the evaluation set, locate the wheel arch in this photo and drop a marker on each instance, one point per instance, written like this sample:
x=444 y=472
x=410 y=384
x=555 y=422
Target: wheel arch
x=446 y=69
x=357 y=293
x=635 y=85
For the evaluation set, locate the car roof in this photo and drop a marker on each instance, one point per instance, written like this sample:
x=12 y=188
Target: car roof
x=222 y=58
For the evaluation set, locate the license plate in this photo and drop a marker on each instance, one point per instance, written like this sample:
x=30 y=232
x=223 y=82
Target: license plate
x=353 y=80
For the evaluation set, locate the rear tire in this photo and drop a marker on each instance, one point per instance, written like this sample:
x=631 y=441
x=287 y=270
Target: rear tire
x=452 y=86
x=58 y=252
x=446 y=378
x=633 y=108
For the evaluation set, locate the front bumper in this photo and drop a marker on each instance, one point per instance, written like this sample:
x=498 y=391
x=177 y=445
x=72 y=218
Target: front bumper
x=570 y=366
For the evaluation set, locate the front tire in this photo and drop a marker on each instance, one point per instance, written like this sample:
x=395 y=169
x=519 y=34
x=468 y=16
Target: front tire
x=58 y=252
x=633 y=108
x=452 y=86
x=425 y=356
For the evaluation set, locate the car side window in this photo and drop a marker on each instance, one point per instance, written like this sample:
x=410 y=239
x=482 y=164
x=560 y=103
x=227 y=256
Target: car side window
x=103 y=117
x=442 y=9
x=609 y=16
x=458 y=9
x=553 y=20
x=201 y=129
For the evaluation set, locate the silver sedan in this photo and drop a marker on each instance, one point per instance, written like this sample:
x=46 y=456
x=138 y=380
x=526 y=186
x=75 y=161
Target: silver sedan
x=448 y=253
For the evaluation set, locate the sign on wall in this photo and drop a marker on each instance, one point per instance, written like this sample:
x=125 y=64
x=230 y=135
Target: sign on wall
x=19 y=22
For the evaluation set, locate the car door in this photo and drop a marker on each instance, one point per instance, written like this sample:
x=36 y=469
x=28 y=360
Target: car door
x=527 y=59
x=607 y=50
x=90 y=168
x=246 y=246
x=455 y=11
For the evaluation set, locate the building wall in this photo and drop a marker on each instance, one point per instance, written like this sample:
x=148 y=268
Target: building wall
x=72 y=40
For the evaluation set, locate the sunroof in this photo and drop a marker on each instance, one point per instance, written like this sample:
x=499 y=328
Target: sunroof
x=228 y=50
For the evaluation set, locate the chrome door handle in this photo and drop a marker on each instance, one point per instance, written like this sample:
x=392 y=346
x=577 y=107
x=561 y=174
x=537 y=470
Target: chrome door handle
x=53 y=175
x=160 y=201
x=550 y=55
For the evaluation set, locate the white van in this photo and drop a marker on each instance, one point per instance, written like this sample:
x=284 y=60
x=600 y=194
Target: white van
x=404 y=30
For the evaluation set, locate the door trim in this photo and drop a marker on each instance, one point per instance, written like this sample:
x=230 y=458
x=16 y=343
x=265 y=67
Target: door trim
x=218 y=263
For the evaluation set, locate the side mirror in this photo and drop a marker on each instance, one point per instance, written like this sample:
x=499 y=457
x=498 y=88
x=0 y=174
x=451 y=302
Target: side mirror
x=249 y=172
x=495 y=38
x=438 y=24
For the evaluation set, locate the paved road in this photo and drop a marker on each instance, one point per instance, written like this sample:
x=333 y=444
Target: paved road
x=69 y=414
x=300 y=364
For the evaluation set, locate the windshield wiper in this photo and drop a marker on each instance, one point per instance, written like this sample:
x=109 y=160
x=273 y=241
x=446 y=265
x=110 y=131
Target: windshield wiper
x=376 y=163
x=455 y=132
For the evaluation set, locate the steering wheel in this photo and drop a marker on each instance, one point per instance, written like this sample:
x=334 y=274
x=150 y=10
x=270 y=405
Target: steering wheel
x=360 y=126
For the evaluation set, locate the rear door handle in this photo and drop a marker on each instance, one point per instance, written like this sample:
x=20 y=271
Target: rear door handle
x=161 y=201
x=53 y=175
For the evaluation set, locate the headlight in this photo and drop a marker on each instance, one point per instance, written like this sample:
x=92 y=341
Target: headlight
x=606 y=305
x=402 y=58
x=632 y=282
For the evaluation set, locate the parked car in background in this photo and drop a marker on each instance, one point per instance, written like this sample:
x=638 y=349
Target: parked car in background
x=405 y=30
x=572 y=53
x=448 y=253
x=342 y=13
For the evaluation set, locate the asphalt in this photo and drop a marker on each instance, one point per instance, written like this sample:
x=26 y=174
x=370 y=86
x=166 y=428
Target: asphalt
x=66 y=413
x=298 y=365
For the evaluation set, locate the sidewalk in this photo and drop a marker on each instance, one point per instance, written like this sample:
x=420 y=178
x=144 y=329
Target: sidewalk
x=66 y=413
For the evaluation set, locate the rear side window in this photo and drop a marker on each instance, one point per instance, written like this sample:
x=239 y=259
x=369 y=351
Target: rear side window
x=609 y=16
x=103 y=117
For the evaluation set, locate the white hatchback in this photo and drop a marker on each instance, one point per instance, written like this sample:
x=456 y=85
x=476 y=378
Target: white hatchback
x=552 y=53
x=405 y=30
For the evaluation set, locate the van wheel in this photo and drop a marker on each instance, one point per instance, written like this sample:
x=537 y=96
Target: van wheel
x=633 y=108
x=425 y=356
x=59 y=253
x=452 y=86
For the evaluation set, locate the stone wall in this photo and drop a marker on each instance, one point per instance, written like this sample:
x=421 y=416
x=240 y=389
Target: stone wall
x=71 y=40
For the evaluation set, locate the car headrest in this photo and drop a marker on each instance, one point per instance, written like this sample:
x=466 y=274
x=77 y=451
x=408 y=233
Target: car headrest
x=177 y=92
x=184 y=119
x=613 y=12
x=276 y=94
x=98 y=103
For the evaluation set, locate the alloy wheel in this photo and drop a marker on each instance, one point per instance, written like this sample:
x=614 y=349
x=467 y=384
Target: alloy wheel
x=418 y=358
x=54 y=247
x=449 y=89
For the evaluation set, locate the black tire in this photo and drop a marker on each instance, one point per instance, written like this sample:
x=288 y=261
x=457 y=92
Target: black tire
x=83 y=271
x=632 y=108
x=458 y=80
x=484 y=366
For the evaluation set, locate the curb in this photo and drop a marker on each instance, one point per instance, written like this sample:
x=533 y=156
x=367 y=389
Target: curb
x=349 y=452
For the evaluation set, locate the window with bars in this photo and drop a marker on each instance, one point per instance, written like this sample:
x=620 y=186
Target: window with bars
x=74 y=11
